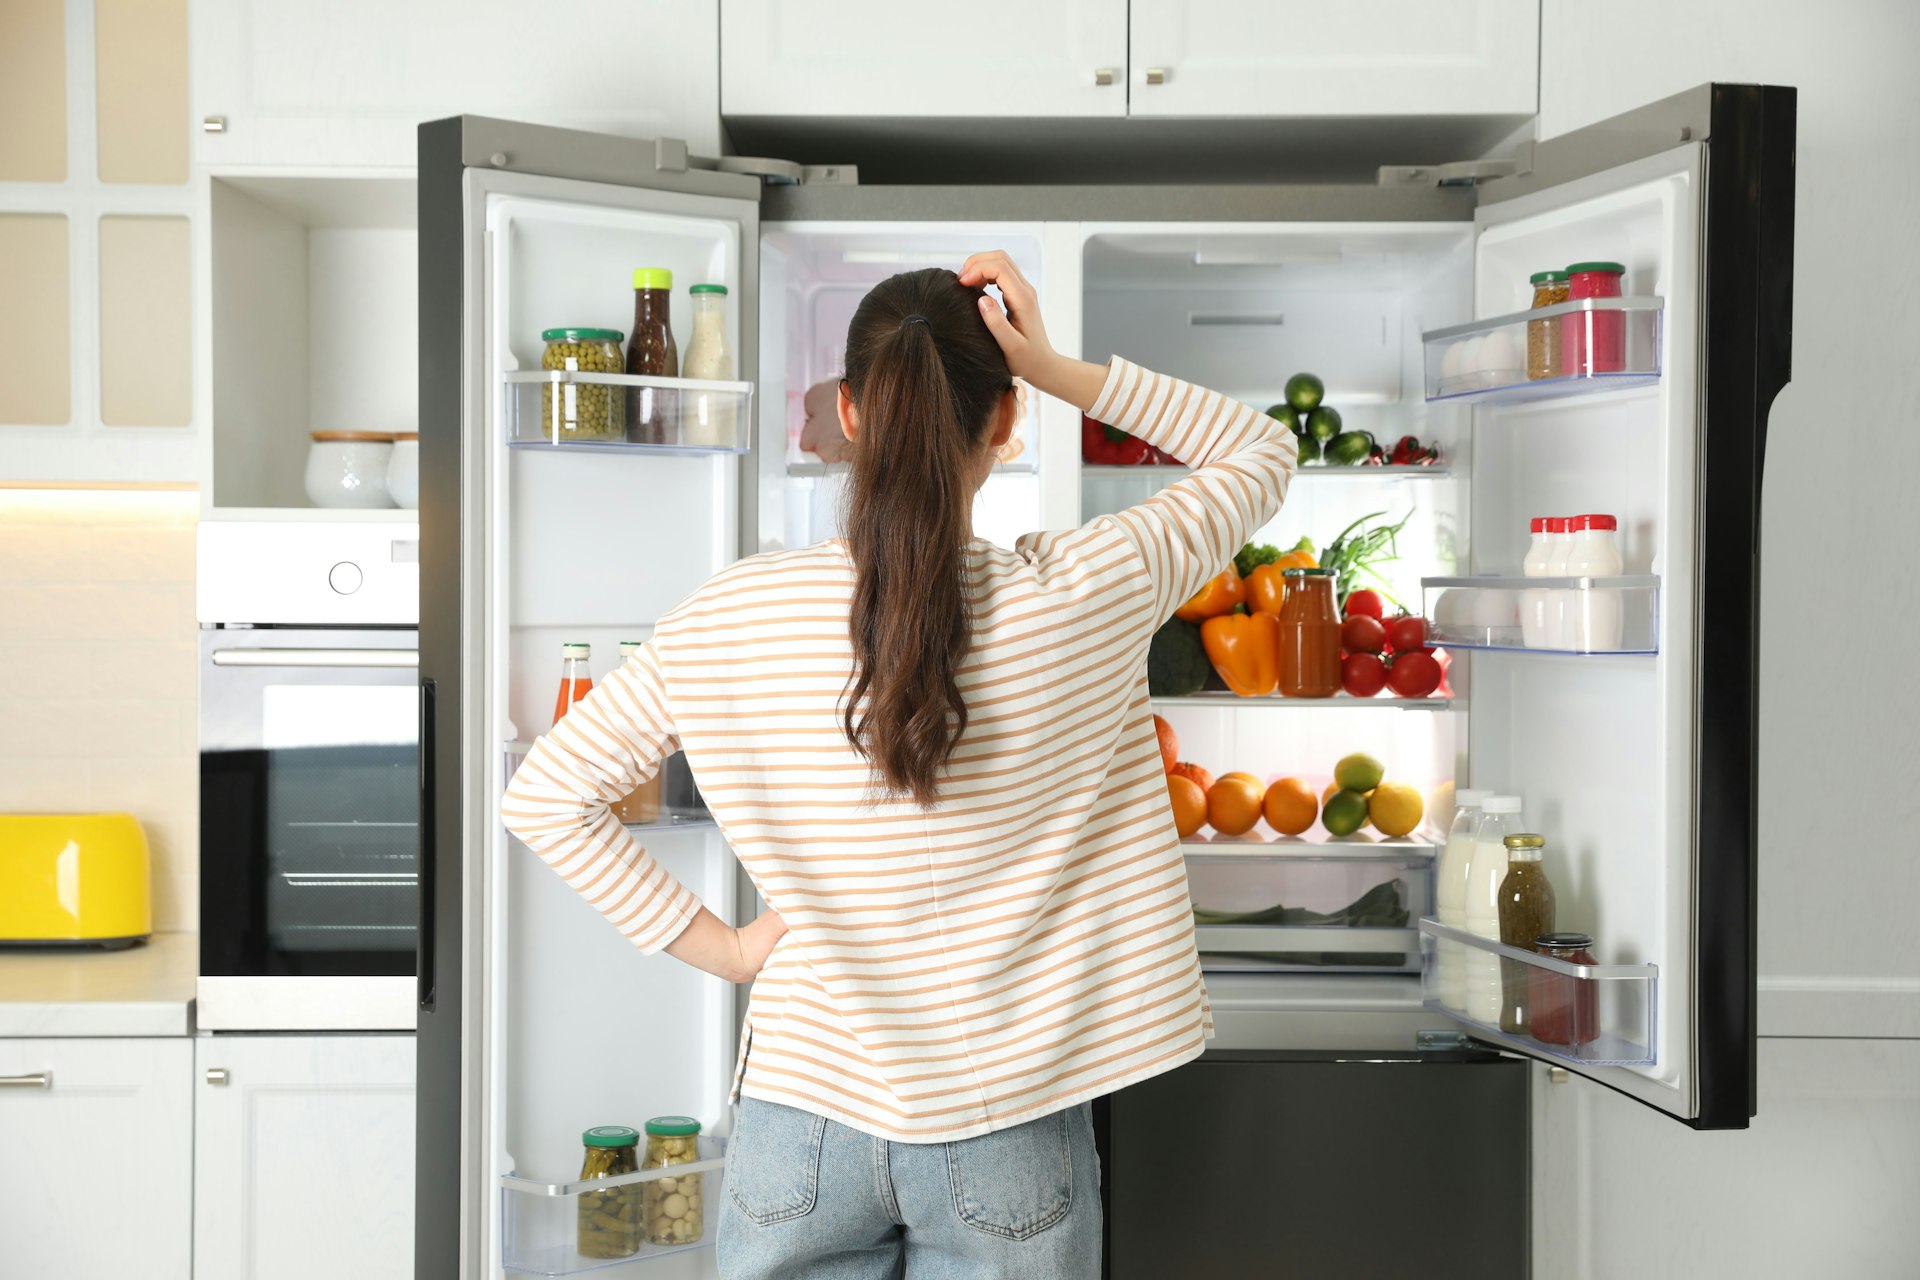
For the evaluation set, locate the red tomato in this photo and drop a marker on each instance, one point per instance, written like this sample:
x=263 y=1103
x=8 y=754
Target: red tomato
x=1414 y=674
x=1406 y=634
x=1361 y=634
x=1363 y=674
x=1368 y=603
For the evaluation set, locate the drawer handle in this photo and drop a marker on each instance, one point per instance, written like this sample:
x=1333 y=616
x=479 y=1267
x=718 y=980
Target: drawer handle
x=37 y=1080
x=1103 y=76
x=216 y=1075
x=1156 y=75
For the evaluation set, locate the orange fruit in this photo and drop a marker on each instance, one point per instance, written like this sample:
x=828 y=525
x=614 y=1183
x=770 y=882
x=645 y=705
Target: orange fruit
x=1233 y=805
x=1290 y=806
x=1200 y=777
x=1332 y=789
x=1169 y=744
x=1189 y=804
x=1242 y=773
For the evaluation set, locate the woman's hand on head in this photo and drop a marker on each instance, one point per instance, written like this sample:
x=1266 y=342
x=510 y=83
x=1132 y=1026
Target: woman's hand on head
x=1018 y=329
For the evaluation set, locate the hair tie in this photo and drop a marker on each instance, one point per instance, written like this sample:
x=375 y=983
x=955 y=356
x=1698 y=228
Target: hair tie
x=915 y=318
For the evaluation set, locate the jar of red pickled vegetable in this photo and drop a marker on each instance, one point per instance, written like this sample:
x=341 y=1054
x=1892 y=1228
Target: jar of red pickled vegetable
x=1595 y=341
x=1563 y=1009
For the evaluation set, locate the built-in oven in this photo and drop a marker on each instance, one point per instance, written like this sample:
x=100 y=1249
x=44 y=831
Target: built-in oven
x=309 y=827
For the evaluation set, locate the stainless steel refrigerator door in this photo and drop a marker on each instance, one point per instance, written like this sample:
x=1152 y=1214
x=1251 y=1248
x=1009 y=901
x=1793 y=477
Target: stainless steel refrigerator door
x=464 y=164
x=1640 y=769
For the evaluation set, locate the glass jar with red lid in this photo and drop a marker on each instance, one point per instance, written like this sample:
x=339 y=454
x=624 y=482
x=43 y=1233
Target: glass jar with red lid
x=1594 y=341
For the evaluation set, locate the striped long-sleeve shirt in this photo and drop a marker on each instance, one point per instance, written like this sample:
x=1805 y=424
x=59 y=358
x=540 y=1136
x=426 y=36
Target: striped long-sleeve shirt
x=1027 y=943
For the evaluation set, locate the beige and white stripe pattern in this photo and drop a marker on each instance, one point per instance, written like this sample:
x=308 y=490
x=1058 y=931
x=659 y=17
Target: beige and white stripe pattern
x=1026 y=944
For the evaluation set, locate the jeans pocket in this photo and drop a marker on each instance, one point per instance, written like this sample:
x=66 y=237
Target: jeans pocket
x=773 y=1163
x=1014 y=1182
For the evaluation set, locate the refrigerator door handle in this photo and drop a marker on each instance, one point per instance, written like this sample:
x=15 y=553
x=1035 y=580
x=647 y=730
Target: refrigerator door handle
x=423 y=928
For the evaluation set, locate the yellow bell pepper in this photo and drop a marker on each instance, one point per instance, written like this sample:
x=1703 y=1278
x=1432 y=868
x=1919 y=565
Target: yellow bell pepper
x=1245 y=649
x=1219 y=596
x=1267 y=584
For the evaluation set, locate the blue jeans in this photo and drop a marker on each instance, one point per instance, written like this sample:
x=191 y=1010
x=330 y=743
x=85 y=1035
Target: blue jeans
x=810 y=1199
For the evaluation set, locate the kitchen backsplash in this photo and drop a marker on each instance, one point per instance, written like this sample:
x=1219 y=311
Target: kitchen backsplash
x=98 y=640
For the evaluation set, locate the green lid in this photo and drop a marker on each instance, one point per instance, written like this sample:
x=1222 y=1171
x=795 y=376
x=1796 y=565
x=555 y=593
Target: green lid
x=1546 y=277
x=652 y=278
x=581 y=335
x=610 y=1135
x=1611 y=268
x=672 y=1126
x=709 y=288
x=1307 y=573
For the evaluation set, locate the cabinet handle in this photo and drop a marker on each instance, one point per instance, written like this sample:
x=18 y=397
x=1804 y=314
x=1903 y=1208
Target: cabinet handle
x=1103 y=76
x=1156 y=75
x=213 y=124
x=37 y=1080
x=216 y=1075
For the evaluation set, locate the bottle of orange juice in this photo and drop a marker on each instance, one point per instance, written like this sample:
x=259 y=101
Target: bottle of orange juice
x=575 y=678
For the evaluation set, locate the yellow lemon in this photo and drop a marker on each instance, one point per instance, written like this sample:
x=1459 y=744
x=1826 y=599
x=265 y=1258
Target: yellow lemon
x=1395 y=808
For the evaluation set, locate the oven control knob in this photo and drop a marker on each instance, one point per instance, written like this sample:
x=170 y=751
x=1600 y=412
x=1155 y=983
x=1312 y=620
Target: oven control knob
x=345 y=577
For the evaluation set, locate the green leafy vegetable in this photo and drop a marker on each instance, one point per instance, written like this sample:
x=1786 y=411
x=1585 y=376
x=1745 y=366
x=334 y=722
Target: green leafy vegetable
x=1255 y=554
x=1354 y=554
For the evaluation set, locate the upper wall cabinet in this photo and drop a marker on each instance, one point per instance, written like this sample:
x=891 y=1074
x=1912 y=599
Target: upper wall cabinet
x=882 y=58
x=345 y=82
x=1355 y=58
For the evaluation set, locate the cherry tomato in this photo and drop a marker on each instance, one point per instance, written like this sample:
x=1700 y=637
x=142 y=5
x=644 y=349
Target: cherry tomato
x=1368 y=603
x=1363 y=674
x=1406 y=634
x=1414 y=674
x=1361 y=634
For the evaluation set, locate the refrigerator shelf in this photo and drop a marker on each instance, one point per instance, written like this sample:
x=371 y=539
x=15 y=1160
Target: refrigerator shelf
x=1416 y=849
x=1617 y=615
x=1168 y=474
x=570 y=409
x=540 y=1220
x=799 y=470
x=1314 y=905
x=1339 y=702
x=1620 y=1015
x=1596 y=345
x=670 y=815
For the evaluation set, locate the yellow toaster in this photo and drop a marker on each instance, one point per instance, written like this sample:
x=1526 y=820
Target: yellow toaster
x=83 y=879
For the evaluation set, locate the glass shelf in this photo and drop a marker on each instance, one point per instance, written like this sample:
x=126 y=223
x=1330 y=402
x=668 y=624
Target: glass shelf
x=1608 y=1010
x=1592 y=345
x=674 y=805
x=540 y=1221
x=1338 y=702
x=1297 y=904
x=1166 y=475
x=812 y=469
x=1545 y=615
x=1414 y=849
x=569 y=409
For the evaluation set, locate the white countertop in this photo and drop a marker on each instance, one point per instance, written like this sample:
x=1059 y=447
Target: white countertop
x=143 y=991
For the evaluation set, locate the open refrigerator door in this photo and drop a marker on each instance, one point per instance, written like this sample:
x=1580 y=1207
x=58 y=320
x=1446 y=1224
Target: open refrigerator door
x=571 y=504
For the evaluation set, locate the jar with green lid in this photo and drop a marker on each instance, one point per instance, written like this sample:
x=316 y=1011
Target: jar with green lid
x=675 y=1207
x=610 y=1220
x=1543 y=336
x=582 y=410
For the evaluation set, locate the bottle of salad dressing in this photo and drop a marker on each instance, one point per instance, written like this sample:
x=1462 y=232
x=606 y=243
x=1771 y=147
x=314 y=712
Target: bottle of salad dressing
x=709 y=416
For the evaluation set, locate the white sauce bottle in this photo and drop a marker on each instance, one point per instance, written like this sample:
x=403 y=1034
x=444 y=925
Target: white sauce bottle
x=1499 y=818
x=1559 y=541
x=1534 y=600
x=1450 y=897
x=1593 y=619
x=709 y=418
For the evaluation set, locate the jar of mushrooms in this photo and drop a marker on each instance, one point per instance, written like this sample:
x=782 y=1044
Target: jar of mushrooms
x=675 y=1208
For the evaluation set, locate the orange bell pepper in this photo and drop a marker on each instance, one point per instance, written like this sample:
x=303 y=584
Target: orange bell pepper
x=1219 y=596
x=1245 y=649
x=1267 y=584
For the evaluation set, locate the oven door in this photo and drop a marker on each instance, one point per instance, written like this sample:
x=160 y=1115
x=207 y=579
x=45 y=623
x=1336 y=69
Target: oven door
x=309 y=828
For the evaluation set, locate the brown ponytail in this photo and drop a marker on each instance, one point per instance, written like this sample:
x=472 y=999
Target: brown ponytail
x=924 y=374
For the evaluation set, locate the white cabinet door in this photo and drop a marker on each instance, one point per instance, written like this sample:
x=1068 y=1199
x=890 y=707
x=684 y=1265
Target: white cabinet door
x=882 y=58
x=1355 y=58
x=96 y=1156
x=303 y=1158
x=345 y=82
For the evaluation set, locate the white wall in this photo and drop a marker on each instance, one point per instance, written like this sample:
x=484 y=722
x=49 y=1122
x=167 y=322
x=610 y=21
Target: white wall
x=1825 y=1181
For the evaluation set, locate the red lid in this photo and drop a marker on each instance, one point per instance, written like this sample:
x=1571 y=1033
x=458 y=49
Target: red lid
x=1557 y=524
x=1538 y=524
x=1595 y=522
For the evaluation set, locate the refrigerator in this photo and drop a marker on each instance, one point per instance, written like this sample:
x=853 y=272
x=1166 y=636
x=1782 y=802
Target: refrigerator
x=1409 y=296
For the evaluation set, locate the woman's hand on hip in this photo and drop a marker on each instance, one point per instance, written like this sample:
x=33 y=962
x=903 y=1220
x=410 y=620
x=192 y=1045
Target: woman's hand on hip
x=1023 y=336
x=713 y=946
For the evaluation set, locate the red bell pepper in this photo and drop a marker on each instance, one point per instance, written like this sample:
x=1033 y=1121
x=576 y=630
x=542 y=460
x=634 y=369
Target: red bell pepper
x=1108 y=446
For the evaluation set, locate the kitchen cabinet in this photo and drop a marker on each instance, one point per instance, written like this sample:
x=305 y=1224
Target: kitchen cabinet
x=72 y=1110
x=874 y=58
x=291 y=82
x=1268 y=1163
x=303 y=1157
x=1300 y=58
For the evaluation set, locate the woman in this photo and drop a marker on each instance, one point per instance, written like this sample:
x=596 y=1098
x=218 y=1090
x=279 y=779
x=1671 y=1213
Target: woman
x=934 y=758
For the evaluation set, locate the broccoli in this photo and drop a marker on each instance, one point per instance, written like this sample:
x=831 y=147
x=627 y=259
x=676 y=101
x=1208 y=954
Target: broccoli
x=1176 y=662
x=1253 y=555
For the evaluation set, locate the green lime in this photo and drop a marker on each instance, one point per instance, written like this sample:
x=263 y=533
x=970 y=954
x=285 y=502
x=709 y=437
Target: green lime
x=1309 y=450
x=1348 y=449
x=1323 y=424
x=1285 y=413
x=1359 y=772
x=1305 y=391
x=1344 y=814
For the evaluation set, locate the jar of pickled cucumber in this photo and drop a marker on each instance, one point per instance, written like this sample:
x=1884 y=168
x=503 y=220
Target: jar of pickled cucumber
x=582 y=410
x=675 y=1207
x=610 y=1220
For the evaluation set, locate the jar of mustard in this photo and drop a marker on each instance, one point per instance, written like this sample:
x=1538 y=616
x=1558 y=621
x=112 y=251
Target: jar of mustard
x=675 y=1207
